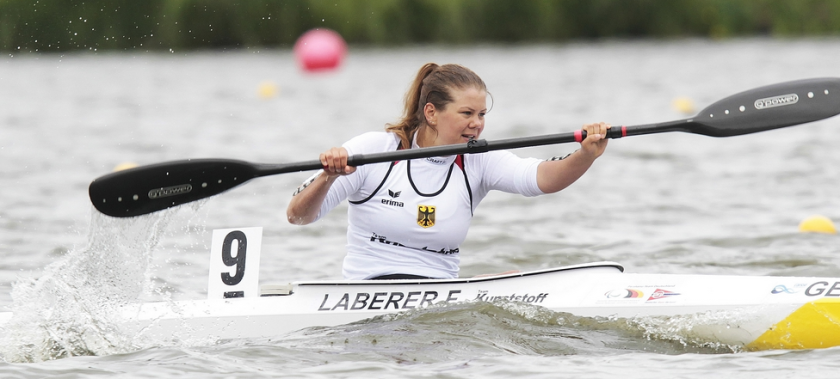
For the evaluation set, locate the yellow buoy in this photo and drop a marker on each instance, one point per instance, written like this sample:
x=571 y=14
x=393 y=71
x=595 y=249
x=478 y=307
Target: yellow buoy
x=125 y=166
x=267 y=90
x=817 y=224
x=683 y=105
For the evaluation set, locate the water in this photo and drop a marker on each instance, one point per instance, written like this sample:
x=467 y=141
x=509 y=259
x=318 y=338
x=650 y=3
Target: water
x=673 y=203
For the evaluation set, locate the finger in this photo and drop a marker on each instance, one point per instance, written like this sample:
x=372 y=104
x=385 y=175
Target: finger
x=336 y=165
x=342 y=154
x=601 y=128
x=324 y=161
x=328 y=160
x=605 y=128
x=593 y=132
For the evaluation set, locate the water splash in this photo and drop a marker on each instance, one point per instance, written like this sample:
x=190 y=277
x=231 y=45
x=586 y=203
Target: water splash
x=72 y=309
x=462 y=331
x=710 y=329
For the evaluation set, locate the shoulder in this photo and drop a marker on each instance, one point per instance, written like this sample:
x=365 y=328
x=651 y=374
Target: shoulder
x=372 y=142
x=503 y=170
x=493 y=158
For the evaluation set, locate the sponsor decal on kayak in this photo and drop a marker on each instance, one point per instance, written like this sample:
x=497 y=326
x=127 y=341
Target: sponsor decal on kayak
x=426 y=215
x=781 y=288
x=170 y=191
x=397 y=300
x=625 y=293
x=635 y=294
x=385 y=300
x=824 y=289
x=776 y=101
x=526 y=298
x=660 y=294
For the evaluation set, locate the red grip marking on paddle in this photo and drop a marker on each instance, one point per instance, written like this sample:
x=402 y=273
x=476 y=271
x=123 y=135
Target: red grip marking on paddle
x=624 y=131
x=578 y=135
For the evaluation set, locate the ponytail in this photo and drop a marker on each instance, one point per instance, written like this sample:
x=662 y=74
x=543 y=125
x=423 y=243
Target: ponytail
x=431 y=85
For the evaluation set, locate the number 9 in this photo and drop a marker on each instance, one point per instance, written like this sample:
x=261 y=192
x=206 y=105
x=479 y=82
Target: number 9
x=238 y=261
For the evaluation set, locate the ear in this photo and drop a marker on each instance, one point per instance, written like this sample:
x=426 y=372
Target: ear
x=430 y=112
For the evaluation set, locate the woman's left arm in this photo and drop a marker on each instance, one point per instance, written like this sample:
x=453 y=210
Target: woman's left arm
x=553 y=176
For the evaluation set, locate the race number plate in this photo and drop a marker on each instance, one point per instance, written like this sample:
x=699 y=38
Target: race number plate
x=235 y=263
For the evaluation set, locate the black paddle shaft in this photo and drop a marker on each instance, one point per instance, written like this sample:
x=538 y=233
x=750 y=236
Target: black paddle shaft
x=152 y=188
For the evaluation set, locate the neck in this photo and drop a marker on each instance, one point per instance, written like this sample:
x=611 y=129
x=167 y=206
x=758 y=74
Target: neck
x=425 y=136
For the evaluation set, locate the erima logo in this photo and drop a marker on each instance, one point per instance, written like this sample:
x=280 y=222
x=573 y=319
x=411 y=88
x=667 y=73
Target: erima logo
x=776 y=101
x=393 y=203
x=170 y=191
x=394 y=195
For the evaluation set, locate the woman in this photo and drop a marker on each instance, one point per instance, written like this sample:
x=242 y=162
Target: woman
x=407 y=219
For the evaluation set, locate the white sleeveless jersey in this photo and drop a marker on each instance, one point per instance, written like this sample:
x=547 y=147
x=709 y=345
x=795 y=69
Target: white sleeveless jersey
x=410 y=217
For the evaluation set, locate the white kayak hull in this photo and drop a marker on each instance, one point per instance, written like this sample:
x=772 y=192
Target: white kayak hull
x=755 y=313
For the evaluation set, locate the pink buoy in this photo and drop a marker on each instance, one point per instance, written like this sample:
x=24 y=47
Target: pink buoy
x=320 y=50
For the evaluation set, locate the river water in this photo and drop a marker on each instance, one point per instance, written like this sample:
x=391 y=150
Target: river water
x=667 y=203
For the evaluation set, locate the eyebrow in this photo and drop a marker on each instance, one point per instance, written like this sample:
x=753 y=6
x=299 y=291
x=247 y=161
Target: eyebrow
x=471 y=108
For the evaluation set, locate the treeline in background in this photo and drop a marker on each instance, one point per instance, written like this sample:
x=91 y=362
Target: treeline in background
x=155 y=25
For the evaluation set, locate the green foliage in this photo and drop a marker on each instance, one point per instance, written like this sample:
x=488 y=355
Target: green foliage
x=66 y=25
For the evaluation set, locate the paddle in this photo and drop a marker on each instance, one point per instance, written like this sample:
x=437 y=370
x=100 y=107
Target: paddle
x=152 y=188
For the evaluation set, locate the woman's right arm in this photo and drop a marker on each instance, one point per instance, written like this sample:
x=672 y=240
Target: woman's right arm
x=306 y=203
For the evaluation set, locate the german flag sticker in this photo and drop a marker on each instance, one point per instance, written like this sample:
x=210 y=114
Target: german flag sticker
x=426 y=215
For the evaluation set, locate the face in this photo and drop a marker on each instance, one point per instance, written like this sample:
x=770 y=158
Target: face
x=461 y=119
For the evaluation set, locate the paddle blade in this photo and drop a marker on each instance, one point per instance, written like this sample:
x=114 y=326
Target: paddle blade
x=770 y=107
x=152 y=188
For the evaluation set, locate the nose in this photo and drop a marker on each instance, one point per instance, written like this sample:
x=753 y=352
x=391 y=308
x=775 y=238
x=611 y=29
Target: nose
x=476 y=122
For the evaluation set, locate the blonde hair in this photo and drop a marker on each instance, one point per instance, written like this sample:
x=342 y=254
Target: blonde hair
x=433 y=84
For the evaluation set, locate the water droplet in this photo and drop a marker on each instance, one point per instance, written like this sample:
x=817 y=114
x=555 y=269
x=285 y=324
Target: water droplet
x=826 y=92
x=742 y=108
x=711 y=115
x=135 y=197
x=204 y=185
x=810 y=95
x=119 y=199
x=726 y=111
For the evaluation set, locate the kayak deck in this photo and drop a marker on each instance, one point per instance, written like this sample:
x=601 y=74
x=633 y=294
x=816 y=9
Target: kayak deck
x=754 y=313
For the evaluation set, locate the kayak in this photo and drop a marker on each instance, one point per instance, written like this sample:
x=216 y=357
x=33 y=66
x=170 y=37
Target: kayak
x=742 y=312
x=753 y=313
